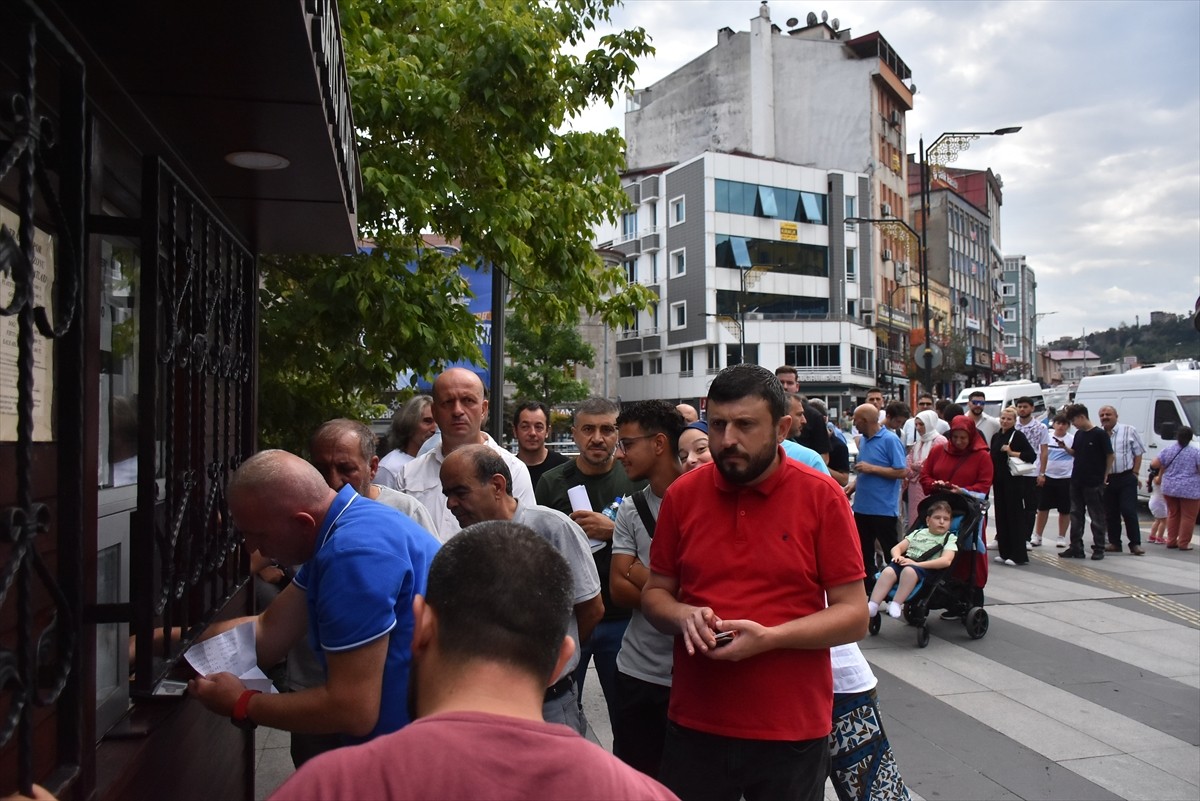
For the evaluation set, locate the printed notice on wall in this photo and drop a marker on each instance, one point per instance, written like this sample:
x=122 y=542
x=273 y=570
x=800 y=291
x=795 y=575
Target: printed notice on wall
x=43 y=349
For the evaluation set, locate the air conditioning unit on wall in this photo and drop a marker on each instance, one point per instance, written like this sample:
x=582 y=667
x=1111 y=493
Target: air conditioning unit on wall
x=885 y=209
x=868 y=320
x=887 y=254
x=867 y=304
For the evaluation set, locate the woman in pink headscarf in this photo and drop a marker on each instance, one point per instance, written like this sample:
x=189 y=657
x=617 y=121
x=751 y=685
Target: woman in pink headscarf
x=927 y=439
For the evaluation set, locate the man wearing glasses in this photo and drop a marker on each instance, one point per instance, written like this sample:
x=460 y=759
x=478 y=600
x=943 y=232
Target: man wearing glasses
x=985 y=424
x=597 y=470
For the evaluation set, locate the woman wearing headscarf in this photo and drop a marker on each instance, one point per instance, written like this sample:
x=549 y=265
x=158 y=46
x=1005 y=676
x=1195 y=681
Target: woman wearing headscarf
x=928 y=438
x=963 y=463
x=1008 y=443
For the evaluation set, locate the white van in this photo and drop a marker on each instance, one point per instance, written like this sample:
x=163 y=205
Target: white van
x=1154 y=400
x=998 y=395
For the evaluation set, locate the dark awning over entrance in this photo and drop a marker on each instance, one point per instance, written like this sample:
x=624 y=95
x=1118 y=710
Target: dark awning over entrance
x=210 y=79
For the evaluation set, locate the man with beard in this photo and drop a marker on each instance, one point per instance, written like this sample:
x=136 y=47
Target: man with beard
x=478 y=488
x=490 y=635
x=602 y=476
x=737 y=576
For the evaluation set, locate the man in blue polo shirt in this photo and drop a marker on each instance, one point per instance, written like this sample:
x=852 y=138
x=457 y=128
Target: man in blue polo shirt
x=362 y=564
x=880 y=469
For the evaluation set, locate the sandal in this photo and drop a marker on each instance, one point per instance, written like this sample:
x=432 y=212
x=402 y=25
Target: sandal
x=1185 y=549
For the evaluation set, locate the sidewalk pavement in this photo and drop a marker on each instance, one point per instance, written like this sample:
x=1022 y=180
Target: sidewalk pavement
x=1086 y=686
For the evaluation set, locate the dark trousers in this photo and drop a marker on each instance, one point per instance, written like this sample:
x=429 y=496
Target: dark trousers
x=872 y=528
x=1010 y=518
x=1120 y=503
x=1029 y=502
x=1090 y=500
x=708 y=767
x=640 y=726
x=603 y=646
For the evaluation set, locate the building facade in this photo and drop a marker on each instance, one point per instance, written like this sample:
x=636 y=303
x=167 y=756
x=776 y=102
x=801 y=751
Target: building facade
x=766 y=102
x=1018 y=294
x=752 y=262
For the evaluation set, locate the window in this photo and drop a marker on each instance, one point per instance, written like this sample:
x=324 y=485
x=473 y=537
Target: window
x=654 y=318
x=1008 y=290
x=851 y=209
x=733 y=354
x=656 y=365
x=791 y=258
x=852 y=307
x=1166 y=415
x=1010 y=315
x=679 y=315
x=714 y=359
x=1010 y=340
x=861 y=361
x=851 y=264
x=678 y=262
x=631 y=271
x=654 y=266
x=813 y=355
x=755 y=200
x=631 y=369
x=678 y=210
x=686 y=363
x=766 y=202
x=629 y=226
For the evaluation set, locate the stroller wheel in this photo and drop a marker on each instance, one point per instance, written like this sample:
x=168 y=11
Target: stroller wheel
x=873 y=626
x=922 y=636
x=976 y=621
x=914 y=614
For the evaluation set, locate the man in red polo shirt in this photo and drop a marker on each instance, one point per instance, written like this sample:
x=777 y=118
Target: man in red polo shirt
x=736 y=555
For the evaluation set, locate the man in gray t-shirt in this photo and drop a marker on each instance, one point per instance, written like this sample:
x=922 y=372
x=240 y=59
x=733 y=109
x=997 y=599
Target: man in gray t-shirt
x=478 y=487
x=648 y=447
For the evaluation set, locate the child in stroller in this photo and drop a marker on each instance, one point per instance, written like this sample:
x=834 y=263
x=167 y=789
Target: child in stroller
x=917 y=555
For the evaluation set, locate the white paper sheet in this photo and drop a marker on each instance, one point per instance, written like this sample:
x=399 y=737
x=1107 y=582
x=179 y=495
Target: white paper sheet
x=233 y=652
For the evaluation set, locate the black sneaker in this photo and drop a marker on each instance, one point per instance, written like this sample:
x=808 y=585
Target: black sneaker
x=1071 y=553
x=1096 y=556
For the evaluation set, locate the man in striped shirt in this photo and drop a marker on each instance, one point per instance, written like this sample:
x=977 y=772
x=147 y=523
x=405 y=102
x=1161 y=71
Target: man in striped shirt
x=1121 y=485
x=1037 y=434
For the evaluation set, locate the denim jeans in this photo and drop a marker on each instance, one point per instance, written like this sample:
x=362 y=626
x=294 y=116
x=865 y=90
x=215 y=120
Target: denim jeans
x=603 y=646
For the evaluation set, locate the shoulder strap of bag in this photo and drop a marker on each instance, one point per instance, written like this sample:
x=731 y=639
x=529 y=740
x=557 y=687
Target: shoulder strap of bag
x=643 y=510
x=935 y=550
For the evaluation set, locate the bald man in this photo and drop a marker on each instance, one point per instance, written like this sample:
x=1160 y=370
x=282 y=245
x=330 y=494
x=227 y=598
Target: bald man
x=880 y=468
x=362 y=564
x=690 y=415
x=459 y=406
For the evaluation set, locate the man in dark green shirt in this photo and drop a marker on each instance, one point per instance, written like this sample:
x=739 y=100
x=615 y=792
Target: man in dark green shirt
x=602 y=476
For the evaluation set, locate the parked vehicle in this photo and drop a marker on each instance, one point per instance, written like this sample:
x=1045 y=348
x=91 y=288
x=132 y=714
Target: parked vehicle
x=1002 y=393
x=1154 y=400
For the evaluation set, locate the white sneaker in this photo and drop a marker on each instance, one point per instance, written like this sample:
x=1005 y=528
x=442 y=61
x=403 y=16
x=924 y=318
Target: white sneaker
x=1010 y=563
x=1061 y=542
x=1037 y=540
x=998 y=560
x=1028 y=546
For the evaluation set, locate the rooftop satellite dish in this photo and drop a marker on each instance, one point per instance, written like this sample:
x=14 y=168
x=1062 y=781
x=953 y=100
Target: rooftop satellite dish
x=912 y=87
x=824 y=16
x=792 y=22
x=811 y=19
x=835 y=24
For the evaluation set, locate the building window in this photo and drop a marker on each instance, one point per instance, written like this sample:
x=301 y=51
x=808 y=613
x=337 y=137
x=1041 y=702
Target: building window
x=862 y=361
x=686 y=363
x=656 y=365
x=1010 y=315
x=653 y=318
x=631 y=369
x=851 y=264
x=851 y=210
x=755 y=200
x=678 y=262
x=629 y=227
x=654 y=266
x=679 y=315
x=631 y=271
x=1010 y=340
x=714 y=358
x=678 y=210
x=790 y=258
x=733 y=354
x=813 y=355
x=1008 y=290
x=852 y=307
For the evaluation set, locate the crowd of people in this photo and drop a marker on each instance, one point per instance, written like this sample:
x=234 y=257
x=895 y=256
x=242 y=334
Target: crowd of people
x=452 y=595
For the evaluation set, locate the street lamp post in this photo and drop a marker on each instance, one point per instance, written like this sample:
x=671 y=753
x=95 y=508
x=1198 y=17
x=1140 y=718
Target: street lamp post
x=944 y=150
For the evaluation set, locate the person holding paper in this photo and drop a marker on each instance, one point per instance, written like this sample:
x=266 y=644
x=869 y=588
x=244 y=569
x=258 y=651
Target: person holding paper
x=362 y=564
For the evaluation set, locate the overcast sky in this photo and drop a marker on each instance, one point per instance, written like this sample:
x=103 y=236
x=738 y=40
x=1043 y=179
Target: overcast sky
x=1101 y=187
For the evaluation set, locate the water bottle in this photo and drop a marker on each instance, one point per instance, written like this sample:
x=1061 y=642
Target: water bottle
x=610 y=511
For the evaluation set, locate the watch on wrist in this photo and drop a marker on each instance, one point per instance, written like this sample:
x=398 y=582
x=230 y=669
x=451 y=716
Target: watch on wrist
x=241 y=710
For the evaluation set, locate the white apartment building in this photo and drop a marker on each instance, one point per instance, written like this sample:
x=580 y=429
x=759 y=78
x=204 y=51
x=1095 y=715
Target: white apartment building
x=752 y=261
x=1018 y=294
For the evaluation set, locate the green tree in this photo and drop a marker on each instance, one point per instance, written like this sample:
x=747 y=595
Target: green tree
x=544 y=362
x=460 y=108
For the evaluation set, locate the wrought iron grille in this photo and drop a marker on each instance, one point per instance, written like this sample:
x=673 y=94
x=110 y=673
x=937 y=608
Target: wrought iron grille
x=197 y=355
x=42 y=157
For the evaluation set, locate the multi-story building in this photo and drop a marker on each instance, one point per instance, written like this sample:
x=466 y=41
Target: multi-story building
x=752 y=262
x=1019 y=298
x=963 y=255
x=777 y=138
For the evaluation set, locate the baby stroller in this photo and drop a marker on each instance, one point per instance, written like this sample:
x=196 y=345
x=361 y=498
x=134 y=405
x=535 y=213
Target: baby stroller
x=959 y=588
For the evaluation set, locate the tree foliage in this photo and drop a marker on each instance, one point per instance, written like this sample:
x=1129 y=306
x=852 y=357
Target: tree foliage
x=544 y=362
x=459 y=106
x=1172 y=337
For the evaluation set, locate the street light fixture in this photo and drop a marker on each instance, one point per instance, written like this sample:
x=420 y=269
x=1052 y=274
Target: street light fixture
x=944 y=150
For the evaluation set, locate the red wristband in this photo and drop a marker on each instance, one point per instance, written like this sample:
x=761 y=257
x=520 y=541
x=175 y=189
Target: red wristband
x=241 y=710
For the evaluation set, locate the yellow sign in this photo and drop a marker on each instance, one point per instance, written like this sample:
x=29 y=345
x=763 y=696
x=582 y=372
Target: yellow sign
x=788 y=231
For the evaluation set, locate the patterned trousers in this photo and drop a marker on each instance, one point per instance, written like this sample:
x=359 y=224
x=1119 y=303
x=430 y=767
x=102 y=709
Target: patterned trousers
x=862 y=766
